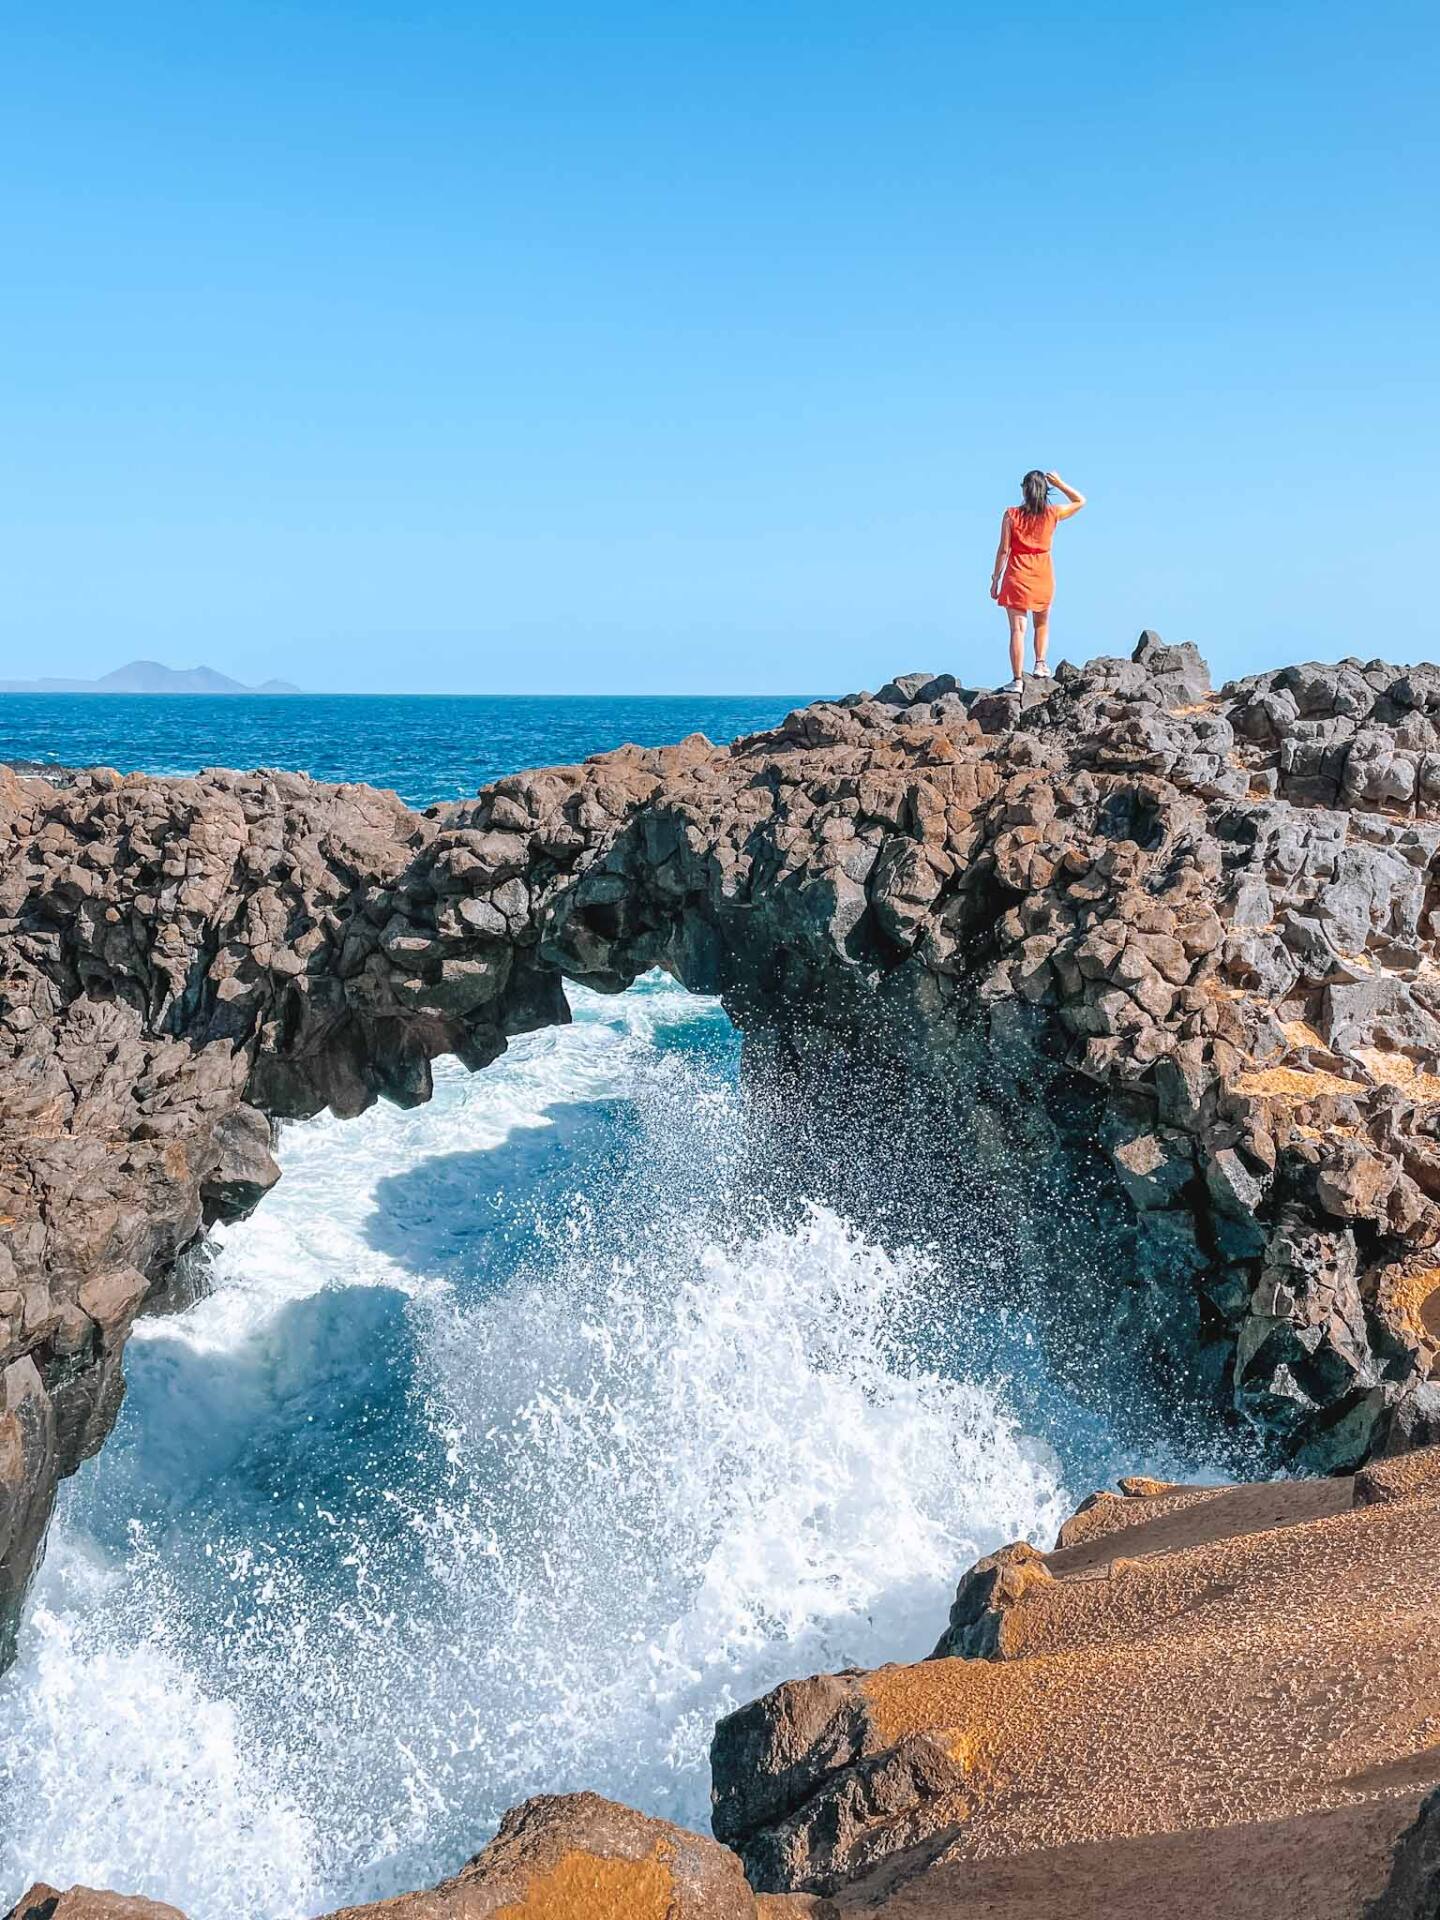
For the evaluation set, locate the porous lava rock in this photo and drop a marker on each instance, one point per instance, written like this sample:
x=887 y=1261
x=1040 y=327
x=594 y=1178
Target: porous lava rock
x=182 y=962
x=1193 y=932
x=1216 y=1700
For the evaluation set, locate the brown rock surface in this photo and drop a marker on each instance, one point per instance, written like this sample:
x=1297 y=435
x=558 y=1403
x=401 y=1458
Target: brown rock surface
x=1198 y=928
x=1315 y=1866
x=1217 y=1698
x=578 y=1857
x=1413 y=1889
x=87 y=1903
x=557 y=1857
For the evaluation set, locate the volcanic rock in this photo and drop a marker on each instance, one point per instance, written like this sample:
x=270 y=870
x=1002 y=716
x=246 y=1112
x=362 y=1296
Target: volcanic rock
x=1219 y=1700
x=86 y=1903
x=1194 y=936
x=578 y=1857
x=1413 y=1890
x=557 y=1857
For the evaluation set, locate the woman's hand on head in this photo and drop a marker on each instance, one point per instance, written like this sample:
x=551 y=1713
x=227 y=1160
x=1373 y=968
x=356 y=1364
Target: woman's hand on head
x=1054 y=479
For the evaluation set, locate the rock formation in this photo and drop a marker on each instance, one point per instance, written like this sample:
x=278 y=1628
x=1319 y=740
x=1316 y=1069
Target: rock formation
x=1206 y=1700
x=578 y=1857
x=181 y=961
x=1413 y=1889
x=1208 y=921
x=557 y=1857
x=87 y=1903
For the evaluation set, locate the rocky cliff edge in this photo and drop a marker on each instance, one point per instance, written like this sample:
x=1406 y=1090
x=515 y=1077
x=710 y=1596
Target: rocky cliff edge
x=1215 y=913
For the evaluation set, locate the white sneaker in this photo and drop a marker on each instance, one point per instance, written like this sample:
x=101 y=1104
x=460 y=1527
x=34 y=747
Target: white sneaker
x=1017 y=685
x=1042 y=672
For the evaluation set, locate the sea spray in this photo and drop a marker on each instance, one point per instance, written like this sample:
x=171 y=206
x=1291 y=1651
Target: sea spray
x=515 y=1444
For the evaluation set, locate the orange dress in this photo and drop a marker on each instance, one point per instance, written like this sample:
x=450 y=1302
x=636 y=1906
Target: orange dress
x=1029 y=583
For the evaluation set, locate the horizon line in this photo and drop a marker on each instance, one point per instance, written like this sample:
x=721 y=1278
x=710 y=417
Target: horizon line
x=355 y=693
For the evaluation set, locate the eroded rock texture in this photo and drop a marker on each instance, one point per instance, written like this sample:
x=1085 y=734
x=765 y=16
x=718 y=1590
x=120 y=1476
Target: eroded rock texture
x=578 y=1857
x=1413 y=1890
x=1215 y=912
x=1217 y=1701
x=1198 y=929
x=557 y=1857
x=182 y=961
x=87 y=1903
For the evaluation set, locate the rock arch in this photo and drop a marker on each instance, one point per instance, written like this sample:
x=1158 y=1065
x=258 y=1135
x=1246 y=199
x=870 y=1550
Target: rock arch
x=1249 y=988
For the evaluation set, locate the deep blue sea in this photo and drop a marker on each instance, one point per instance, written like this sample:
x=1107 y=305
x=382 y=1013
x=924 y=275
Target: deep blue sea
x=516 y=1438
x=425 y=747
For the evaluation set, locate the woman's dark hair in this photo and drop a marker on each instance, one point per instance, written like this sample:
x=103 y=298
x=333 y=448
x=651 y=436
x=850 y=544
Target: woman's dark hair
x=1035 y=491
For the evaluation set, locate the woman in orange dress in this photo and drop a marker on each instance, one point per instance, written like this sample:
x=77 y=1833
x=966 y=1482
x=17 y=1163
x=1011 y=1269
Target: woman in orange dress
x=1024 y=577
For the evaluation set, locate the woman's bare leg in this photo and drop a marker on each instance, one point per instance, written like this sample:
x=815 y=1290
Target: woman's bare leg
x=1042 y=634
x=1016 y=617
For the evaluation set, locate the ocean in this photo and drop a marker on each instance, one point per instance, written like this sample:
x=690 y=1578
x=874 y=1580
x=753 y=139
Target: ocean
x=424 y=747
x=515 y=1438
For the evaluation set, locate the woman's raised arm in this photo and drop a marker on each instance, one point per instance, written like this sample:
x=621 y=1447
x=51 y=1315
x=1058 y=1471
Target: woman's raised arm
x=1075 y=500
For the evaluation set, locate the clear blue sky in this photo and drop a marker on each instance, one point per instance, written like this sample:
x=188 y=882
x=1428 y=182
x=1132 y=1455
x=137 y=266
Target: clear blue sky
x=581 y=347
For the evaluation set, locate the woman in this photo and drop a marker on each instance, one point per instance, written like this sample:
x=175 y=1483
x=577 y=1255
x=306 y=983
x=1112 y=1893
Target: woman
x=1024 y=579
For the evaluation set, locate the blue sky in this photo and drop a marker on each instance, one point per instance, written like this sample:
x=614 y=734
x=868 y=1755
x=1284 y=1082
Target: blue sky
x=577 y=348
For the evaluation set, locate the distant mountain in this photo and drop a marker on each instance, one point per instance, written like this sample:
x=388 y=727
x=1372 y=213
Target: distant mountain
x=148 y=676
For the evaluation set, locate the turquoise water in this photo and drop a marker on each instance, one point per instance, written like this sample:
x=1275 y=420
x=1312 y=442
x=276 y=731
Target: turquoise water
x=439 y=747
x=517 y=1437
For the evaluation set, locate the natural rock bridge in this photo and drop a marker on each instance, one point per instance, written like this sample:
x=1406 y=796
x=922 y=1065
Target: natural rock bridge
x=1216 y=912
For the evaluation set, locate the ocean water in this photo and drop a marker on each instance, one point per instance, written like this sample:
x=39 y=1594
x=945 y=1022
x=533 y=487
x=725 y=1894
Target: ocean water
x=435 y=747
x=516 y=1439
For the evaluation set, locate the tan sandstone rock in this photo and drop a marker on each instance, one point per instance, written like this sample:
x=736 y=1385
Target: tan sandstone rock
x=1223 y=1701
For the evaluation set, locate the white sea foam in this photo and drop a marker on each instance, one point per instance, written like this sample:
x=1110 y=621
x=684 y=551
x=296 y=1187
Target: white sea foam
x=507 y=1454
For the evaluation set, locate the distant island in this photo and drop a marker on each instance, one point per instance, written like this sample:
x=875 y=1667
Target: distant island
x=149 y=676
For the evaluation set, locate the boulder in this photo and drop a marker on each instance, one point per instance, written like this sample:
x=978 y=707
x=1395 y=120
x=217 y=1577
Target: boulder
x=87 y=1903
x=1099 y=1725
x=578 y=1857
